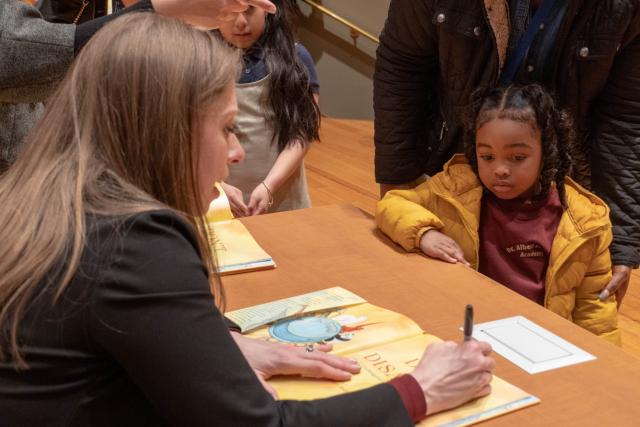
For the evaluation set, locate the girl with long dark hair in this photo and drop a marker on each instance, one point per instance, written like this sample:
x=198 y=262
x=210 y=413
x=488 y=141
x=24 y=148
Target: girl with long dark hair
x=278 y=114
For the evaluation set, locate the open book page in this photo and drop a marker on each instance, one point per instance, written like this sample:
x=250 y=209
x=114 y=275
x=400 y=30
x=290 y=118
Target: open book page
x=504 y=398
x=253 y=317
x=385 y=362
x=378 y=365
x=235 y=248
x=356 y=327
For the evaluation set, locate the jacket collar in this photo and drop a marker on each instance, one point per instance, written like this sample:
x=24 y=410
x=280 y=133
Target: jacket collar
x=586 y=213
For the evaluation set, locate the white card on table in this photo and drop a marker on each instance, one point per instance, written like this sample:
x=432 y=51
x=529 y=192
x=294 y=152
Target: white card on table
x=528 y=345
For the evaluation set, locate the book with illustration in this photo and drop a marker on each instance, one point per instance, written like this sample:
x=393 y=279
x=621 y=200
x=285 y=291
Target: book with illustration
x=385 y=343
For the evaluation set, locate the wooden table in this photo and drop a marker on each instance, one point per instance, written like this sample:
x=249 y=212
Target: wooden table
x=340 y=246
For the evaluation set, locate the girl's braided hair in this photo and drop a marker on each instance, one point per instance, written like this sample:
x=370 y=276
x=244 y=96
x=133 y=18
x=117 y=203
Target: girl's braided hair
x=527 y=104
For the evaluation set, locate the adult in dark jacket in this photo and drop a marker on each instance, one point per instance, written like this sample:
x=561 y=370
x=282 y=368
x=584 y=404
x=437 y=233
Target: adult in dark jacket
x=107 y=315
x=35 y=55
x=434 y=54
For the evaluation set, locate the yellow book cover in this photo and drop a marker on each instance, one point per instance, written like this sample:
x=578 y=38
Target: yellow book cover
x=235 y=248
x=386 y=344
x=357 y=327
x=219 y=209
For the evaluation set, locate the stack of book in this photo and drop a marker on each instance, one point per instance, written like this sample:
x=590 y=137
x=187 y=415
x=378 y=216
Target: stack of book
x=235 y=249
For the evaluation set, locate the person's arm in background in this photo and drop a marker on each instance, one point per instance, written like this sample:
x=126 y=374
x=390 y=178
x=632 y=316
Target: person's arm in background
x=405 y=72
x=207 y=14
x=37 y=53
x=201 y=13
x=615 y=160
x=589 y=312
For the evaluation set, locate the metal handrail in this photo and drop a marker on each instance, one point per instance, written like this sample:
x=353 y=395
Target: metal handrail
x=355 y=30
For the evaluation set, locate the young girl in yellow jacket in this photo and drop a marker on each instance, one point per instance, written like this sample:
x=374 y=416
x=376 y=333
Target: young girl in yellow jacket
x=508 y=209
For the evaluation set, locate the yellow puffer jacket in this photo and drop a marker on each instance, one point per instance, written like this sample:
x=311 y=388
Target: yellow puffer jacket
x=579 y=262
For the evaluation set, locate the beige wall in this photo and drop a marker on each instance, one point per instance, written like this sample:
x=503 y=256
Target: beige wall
x=345 y=68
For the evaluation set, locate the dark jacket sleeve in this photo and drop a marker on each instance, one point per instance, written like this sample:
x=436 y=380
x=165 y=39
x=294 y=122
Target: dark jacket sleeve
x=154 y=313
x=87 y=29
x=615 y=142
x=34 y=53
x=405 y=76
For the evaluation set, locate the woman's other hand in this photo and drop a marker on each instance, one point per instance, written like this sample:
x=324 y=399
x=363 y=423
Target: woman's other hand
x=268 y=359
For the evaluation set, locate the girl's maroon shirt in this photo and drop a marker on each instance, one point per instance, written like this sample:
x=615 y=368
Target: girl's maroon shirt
x=515 y=242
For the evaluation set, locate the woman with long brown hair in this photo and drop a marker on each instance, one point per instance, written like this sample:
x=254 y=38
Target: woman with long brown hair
x=106 y=310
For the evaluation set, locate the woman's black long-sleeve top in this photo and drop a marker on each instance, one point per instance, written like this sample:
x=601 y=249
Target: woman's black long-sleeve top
x=136 y=340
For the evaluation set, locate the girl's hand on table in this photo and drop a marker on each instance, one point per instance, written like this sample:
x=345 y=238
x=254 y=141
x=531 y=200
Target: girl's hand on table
x=438 y=245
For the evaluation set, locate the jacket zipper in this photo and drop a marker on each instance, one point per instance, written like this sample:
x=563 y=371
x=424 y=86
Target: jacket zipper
x=443 y=128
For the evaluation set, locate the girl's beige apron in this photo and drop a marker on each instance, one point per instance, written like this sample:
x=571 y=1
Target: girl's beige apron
x=255 y=136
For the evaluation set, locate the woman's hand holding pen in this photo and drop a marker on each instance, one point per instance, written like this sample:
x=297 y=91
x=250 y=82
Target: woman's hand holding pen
x=451 y=374
x=438 y=245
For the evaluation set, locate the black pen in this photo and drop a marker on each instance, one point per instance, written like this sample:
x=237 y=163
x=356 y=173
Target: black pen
x=468 y=322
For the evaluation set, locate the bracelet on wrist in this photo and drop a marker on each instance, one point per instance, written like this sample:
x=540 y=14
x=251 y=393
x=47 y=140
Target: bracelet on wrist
x=270 y=203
